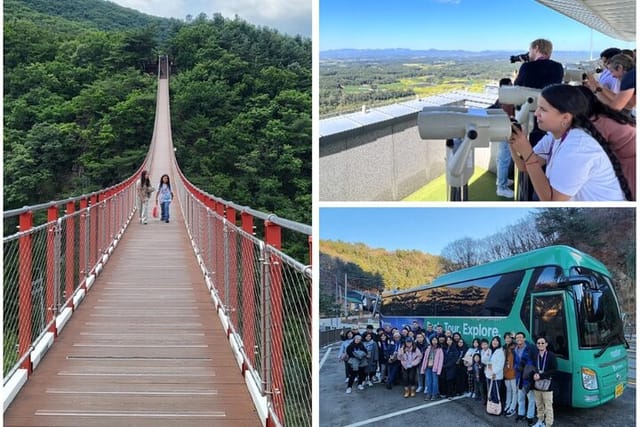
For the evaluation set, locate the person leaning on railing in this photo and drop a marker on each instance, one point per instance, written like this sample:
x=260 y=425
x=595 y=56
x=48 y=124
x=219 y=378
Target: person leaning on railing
x=580 y=164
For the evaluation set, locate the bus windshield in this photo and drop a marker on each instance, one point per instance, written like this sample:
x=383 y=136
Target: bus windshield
x=605 y=326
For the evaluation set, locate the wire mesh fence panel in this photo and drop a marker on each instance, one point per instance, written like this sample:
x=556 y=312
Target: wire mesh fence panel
x=292 y=349
x=250 y=312
x=48 y=259
x=10 y=305
x=40 y=265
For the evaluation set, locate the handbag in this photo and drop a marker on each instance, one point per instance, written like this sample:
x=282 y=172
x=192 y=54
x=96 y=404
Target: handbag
x=493 y=408
x=543 y=384
x=155 y=211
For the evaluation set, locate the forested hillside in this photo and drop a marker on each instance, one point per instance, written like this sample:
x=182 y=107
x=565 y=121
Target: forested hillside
x=376 y=268
x=608 y=234
x=79 y=103
x=241 y=108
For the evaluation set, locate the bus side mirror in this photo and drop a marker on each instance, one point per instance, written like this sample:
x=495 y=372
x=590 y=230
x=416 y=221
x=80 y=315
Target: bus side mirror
x=593 y=306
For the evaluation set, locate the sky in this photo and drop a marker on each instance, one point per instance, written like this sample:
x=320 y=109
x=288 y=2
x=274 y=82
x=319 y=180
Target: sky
x=415 y=228
x=472 y=25
x=291 y=17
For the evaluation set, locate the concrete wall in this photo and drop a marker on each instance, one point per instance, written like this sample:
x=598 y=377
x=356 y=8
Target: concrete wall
x=384 y=161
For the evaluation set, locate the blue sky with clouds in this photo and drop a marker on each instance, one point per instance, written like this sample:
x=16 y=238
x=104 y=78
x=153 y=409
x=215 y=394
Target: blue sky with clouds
x=287 y=16
x=473 y=25
x=425 y=229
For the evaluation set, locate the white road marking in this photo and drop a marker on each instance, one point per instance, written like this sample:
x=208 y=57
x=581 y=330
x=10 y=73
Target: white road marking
x=324 y=358
x=404 y=411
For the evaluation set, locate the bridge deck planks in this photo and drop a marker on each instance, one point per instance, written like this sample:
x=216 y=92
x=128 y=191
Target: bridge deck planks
x=145 y=348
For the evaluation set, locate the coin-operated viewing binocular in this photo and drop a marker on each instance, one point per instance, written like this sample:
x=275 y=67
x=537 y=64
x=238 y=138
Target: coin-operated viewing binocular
x=525 y=98
x=464 y=129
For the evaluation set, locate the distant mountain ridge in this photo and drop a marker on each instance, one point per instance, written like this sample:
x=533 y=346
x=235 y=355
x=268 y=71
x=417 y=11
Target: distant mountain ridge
x=398 y=53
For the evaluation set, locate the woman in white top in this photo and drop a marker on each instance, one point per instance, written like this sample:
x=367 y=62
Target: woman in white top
x=580 y=165
x=495 y=369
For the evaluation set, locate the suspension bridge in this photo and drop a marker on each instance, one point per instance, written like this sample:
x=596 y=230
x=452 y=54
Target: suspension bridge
x=203 y=320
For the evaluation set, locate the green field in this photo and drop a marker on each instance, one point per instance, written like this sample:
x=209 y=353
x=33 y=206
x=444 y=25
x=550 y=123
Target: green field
x=345 y=86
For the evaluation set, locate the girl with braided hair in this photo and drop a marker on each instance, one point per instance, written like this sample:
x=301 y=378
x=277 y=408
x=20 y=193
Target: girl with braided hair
x=619 y=131
x=580 y=165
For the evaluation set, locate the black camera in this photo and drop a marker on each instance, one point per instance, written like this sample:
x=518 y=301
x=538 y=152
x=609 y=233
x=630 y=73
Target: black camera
x=523 y=57
x=515 y=124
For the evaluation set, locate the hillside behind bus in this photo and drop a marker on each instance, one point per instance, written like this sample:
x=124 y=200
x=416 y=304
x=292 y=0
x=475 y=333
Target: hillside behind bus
x=608 y=234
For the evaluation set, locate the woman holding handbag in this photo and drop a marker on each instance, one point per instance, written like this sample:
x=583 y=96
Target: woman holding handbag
x=144 y=190
x=495 y=372
x=546 y=366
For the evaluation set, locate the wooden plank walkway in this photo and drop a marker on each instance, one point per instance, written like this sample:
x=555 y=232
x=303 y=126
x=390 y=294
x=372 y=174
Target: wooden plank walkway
x=146 y=347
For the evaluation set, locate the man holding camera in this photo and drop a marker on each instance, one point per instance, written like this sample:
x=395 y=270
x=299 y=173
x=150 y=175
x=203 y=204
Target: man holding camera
x=539 y=72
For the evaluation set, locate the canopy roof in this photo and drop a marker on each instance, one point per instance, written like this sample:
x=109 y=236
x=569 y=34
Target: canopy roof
x=615 y=18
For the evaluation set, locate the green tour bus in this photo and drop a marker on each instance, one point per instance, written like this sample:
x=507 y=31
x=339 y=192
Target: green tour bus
x=557 y=291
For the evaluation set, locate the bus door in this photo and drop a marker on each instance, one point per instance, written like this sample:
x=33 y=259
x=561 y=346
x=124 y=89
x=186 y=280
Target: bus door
x=549 y=319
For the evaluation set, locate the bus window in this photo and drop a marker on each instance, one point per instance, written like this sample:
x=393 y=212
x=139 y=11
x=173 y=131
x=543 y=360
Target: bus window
x=541 y=278
x=549 y=321
x=488 y=296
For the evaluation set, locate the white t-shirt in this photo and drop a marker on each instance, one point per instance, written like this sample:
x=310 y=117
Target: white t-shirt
x=579 y=167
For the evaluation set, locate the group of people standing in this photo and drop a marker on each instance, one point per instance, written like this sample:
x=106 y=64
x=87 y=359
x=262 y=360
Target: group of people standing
x=441 y=364
x=164 y=196
x=582 y=145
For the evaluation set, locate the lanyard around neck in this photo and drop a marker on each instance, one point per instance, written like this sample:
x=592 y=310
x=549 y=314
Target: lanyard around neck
x=544 y=361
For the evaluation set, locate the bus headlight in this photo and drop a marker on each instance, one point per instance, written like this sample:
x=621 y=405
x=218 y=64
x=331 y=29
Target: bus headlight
x=589 y=379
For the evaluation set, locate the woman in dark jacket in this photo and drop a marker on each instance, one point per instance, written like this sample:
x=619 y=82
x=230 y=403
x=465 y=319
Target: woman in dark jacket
x=461 y=369
x=357 y=353
x=449 y=367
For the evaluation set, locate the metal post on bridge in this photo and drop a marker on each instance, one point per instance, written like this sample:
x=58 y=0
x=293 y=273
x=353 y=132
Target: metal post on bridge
x=275 y=326
x=25 y=279
x=248 y=285
x=69 y=255
x=93 y=229
x=53 y=271
x=232 y=264
x=83 y=250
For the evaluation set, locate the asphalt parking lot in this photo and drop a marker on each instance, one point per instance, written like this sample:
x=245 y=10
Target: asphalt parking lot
x=377 y=406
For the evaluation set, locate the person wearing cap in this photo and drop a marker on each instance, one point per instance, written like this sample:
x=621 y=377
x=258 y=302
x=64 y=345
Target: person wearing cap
x=410 y=357
x=357 y=353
